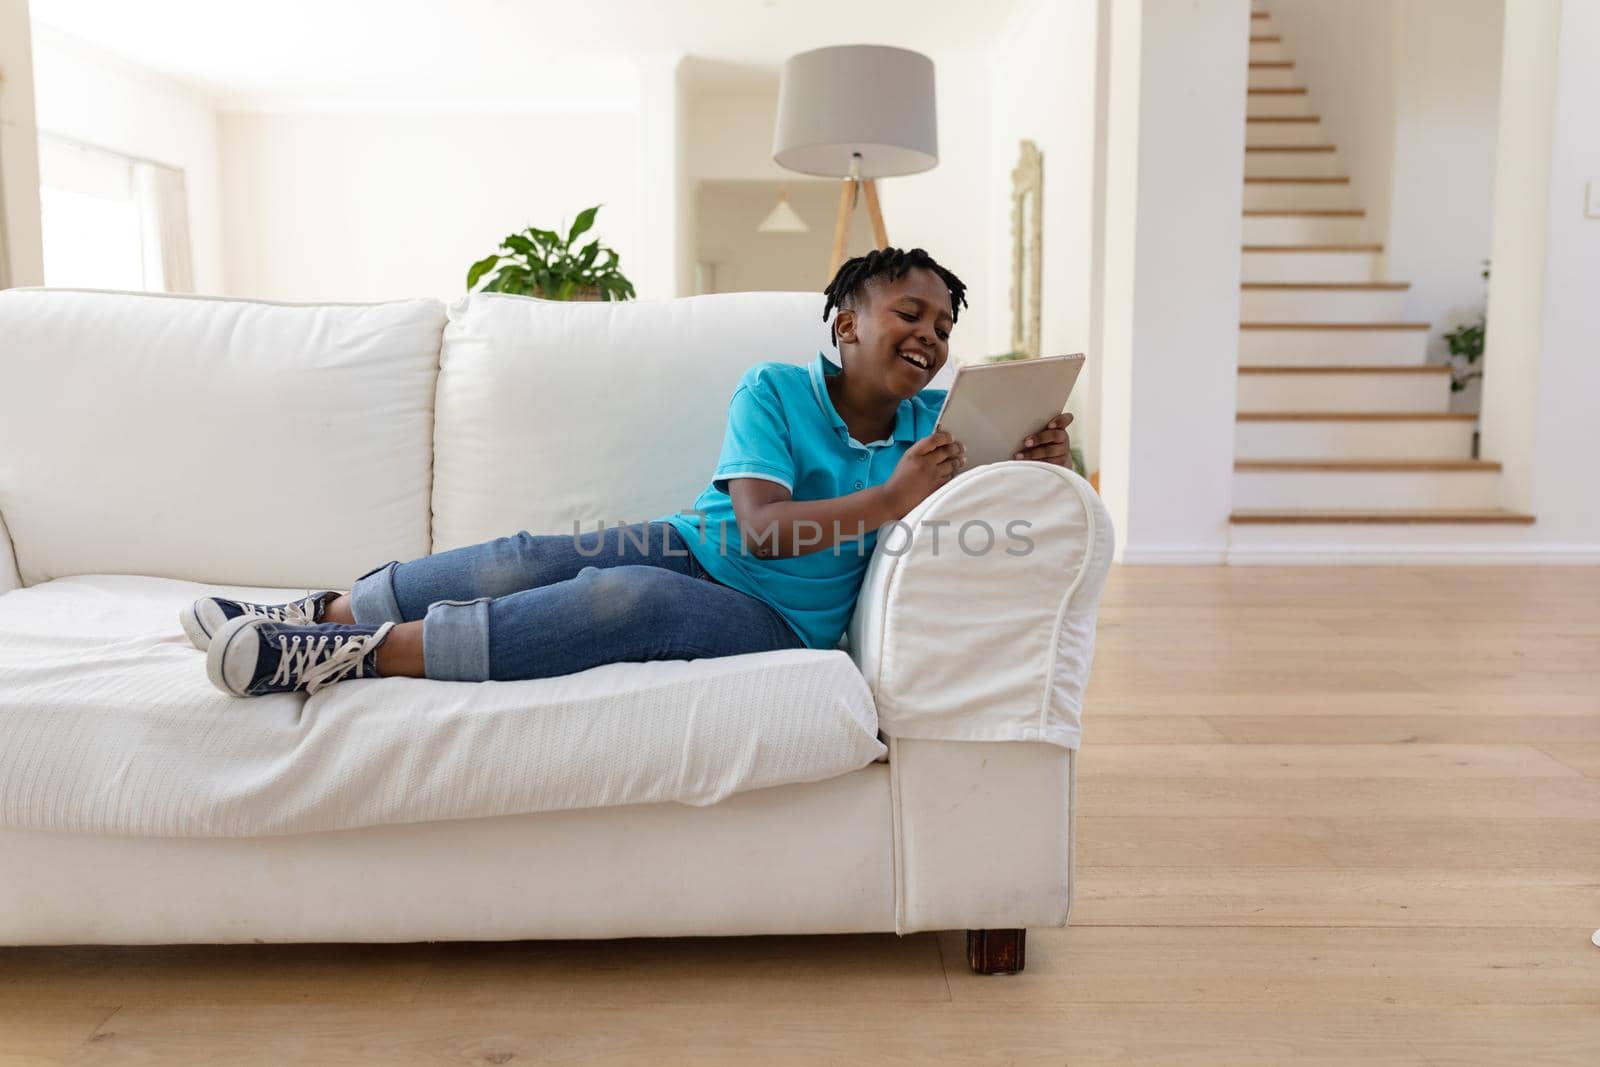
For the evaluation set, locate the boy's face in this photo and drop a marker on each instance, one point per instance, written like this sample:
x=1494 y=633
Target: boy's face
x=901 y=324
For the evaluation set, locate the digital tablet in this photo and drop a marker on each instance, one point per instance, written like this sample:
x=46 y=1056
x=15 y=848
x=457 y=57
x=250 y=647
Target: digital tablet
x=992 y=407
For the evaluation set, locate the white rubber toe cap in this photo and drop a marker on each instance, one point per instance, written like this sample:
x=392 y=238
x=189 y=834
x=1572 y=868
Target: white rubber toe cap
x=231 y=659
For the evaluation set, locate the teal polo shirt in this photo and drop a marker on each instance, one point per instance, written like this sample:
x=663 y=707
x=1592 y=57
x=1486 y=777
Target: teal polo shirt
x=782 y=427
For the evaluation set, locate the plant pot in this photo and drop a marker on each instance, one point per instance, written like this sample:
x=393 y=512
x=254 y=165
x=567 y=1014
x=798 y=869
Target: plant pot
x=584 y=292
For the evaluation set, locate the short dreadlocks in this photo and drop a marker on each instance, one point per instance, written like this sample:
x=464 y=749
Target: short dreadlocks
x=847 y=287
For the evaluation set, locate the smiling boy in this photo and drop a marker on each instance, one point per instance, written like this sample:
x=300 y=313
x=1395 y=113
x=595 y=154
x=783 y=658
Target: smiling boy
x=817 y=458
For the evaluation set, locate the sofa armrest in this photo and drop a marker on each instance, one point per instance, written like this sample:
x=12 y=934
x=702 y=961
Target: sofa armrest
x=10 y=578
x=963 y=640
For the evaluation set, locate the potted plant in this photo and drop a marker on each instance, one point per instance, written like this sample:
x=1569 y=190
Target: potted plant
x=542 y=263
x=1466 y=344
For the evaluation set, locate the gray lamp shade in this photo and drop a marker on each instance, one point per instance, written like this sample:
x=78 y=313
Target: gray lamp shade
x=865 y=98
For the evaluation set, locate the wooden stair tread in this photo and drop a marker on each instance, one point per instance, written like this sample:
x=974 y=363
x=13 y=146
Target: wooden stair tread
x=1266 y=39
x=1343 y=368
x=1283 y=118
x=1313 y=248
x=1291 y=148
x=1334 y=325
x=1294 y=516
x=1356 y=416
x=1340 y=180
x=1270 y=64
x=1301 y=91
x=1371 y=466
x=1306 y=287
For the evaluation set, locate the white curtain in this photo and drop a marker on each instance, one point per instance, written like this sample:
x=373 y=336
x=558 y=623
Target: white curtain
x=164 y=223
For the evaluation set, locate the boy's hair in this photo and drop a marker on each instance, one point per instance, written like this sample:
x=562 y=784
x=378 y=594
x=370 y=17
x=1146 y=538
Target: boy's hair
x=850 y=283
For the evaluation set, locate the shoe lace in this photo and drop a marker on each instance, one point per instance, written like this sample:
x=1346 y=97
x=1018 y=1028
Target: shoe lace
x=318 y=661
x=298 y=612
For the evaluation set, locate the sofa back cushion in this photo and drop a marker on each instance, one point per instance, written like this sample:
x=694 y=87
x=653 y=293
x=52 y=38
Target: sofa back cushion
x=553 y=413
x=214 y=440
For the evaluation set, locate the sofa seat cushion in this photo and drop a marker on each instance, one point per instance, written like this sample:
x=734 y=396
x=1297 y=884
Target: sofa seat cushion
x=109 y=725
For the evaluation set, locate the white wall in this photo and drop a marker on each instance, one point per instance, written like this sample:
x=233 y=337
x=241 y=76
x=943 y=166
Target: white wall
x=90 y=96
x=387 y=204
x=1542 y=358
x=946 y=210
x=662 y=268
x=1174 y=190
x=1042 y=74
x=20 y=246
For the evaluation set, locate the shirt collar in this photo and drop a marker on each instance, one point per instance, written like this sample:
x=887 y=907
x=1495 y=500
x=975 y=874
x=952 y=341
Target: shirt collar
x=823 y=367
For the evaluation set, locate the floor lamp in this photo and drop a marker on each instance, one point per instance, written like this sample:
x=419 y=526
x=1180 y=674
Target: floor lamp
x=857 y=112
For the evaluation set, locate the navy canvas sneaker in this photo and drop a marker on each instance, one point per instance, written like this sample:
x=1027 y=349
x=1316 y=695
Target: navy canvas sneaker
x=205 y=617
x=250 y=656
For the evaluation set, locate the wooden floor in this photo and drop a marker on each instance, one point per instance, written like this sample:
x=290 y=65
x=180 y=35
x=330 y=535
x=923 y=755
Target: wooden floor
x=1326 y=816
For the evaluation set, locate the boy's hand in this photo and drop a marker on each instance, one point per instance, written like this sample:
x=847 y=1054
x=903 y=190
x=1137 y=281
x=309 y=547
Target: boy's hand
x=1050 y=444
x=927 y=465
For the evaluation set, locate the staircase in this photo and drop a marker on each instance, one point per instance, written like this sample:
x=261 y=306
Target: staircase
x=1340 y=419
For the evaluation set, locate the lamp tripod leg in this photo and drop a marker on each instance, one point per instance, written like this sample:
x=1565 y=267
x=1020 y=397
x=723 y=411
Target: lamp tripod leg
x=841 y=227
x=879 y=234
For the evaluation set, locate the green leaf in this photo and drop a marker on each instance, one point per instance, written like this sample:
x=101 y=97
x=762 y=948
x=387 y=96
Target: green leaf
x=518 y=243
x=480 y=268
x=582 y=223
x=590 y=250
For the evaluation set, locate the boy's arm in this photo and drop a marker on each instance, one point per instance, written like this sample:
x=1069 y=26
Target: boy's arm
x=773 y=525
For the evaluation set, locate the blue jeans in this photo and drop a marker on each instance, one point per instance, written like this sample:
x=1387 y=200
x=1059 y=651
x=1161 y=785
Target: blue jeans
x=529 y=606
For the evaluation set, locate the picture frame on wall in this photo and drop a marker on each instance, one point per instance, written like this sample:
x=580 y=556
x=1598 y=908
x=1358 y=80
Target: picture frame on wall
x=1027 y=248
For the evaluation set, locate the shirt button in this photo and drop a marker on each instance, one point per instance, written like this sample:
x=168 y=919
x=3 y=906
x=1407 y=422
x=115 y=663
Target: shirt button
x=858 y=485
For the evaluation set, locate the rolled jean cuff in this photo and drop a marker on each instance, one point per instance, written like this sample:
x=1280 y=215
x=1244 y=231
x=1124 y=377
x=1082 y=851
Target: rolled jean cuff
x=455 y=641
x=372 y=600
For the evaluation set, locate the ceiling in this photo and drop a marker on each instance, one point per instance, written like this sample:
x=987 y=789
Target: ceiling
x=516 y=51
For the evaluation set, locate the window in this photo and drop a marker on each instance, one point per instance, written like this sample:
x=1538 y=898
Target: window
x=111 y=222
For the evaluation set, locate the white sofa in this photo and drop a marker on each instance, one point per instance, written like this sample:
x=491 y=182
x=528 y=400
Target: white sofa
x=157 y=448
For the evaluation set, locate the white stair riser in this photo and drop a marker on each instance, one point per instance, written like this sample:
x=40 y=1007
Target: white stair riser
x=1333 y=439
x=1311 y=267
x=1321 y=305
x=1344 y=392
x=1266 y=51
x=1271 y=133
x=1366 y=489
x=1297 y=195
x=1303 y=229
x=1273 y=78
x=1278 y=104
x=1291 y=165
x=1365 y=348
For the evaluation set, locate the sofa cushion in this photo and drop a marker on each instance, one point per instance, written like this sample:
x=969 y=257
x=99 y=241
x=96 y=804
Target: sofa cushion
x=553 y=413
x=109 y=725
x=214 y=440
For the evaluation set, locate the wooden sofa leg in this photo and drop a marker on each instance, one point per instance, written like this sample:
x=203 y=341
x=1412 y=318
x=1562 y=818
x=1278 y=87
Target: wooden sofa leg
x=996 y=951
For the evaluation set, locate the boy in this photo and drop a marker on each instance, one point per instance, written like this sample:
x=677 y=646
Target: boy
x=814 y=460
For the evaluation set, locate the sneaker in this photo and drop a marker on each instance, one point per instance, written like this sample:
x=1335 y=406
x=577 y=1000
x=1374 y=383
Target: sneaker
x=250 y=656
x=205 y=617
